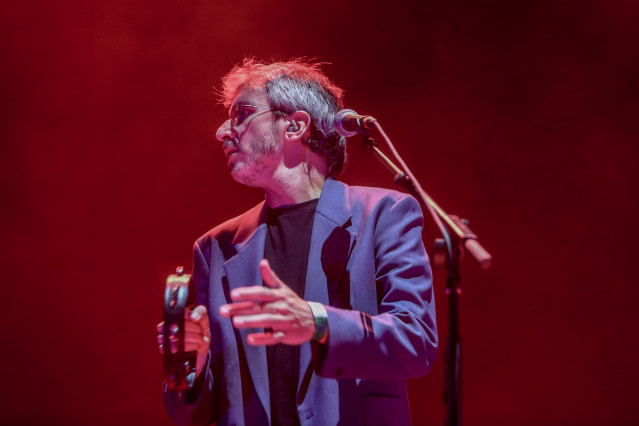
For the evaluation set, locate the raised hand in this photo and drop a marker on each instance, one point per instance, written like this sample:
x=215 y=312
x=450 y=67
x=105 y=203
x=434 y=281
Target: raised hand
x=286 y=317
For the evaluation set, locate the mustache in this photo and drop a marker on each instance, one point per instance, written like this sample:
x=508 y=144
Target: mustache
x=230 y=143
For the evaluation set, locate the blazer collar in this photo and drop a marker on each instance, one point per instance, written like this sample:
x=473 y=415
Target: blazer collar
x=334 y=203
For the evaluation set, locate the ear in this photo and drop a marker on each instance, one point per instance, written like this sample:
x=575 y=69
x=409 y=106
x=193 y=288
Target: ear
x=299 y=127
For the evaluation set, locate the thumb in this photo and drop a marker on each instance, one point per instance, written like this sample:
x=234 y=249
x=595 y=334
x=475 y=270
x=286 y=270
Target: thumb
x=199 y=313
x=269 y=277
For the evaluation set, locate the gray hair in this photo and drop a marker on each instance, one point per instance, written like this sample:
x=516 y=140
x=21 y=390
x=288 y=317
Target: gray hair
x=296 y=85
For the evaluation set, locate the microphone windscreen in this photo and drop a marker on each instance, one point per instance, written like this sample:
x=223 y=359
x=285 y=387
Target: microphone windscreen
x=339 y=127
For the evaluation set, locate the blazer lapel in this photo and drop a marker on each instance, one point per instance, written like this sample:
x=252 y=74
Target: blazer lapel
x=242 y=271
x=332 y=242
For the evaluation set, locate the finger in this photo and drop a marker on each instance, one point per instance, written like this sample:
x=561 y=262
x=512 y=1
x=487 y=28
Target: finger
x=253 y=308
x=189 y=327
x=254 y=293
x=192 y=342
x=200 y=349
x=260 y=339
x=193 y=327
x=196 y=339
x=188 y=337
x=160 y=327
x=199 y=345
x=160 y=339
x=269 y=277
x=197 y=314
x=261 y=320
x=198 y=335
x=192 y=331
x=240 y=308
x=189 y=347
x=200 y=316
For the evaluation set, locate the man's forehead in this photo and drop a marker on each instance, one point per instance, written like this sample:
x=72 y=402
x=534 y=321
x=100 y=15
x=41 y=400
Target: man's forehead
x=250 y=97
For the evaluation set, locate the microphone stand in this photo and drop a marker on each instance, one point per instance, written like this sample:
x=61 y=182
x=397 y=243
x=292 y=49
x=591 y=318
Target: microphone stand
x=457 y=240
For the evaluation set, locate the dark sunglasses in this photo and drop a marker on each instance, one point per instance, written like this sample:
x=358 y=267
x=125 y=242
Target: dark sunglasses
x=241 y=112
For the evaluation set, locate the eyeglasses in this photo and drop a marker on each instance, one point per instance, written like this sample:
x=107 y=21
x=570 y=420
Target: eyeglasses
x=239 y=113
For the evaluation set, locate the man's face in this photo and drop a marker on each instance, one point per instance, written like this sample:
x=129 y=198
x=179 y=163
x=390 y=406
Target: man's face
x=251 y=139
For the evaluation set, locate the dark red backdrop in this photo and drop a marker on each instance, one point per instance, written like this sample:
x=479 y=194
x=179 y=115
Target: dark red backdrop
x=518 y=115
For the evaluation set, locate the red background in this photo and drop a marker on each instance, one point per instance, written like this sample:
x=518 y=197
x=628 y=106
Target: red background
x=517 y=115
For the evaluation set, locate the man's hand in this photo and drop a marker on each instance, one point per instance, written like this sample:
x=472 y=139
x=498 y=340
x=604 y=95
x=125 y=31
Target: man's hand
x=287 y=317
x=197 y=335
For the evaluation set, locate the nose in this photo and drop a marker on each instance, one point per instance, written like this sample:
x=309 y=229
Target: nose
x=224 y=131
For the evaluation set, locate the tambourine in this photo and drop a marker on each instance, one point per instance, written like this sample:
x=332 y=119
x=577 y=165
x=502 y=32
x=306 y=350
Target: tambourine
x=179 y=366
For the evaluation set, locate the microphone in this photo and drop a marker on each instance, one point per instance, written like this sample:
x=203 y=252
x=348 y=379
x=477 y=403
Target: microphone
x=349 y=123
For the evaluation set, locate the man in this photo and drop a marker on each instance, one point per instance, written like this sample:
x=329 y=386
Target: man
x=317 y=304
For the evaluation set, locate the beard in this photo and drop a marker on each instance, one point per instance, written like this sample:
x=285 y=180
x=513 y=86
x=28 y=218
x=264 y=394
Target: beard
x=261 y=156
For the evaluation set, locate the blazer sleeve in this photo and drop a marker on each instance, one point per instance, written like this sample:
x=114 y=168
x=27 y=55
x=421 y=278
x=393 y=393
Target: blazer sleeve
x=196 y=406
x=400 y=341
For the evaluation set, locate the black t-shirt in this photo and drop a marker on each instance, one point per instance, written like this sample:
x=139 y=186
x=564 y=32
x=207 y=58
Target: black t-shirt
x=287 y=244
